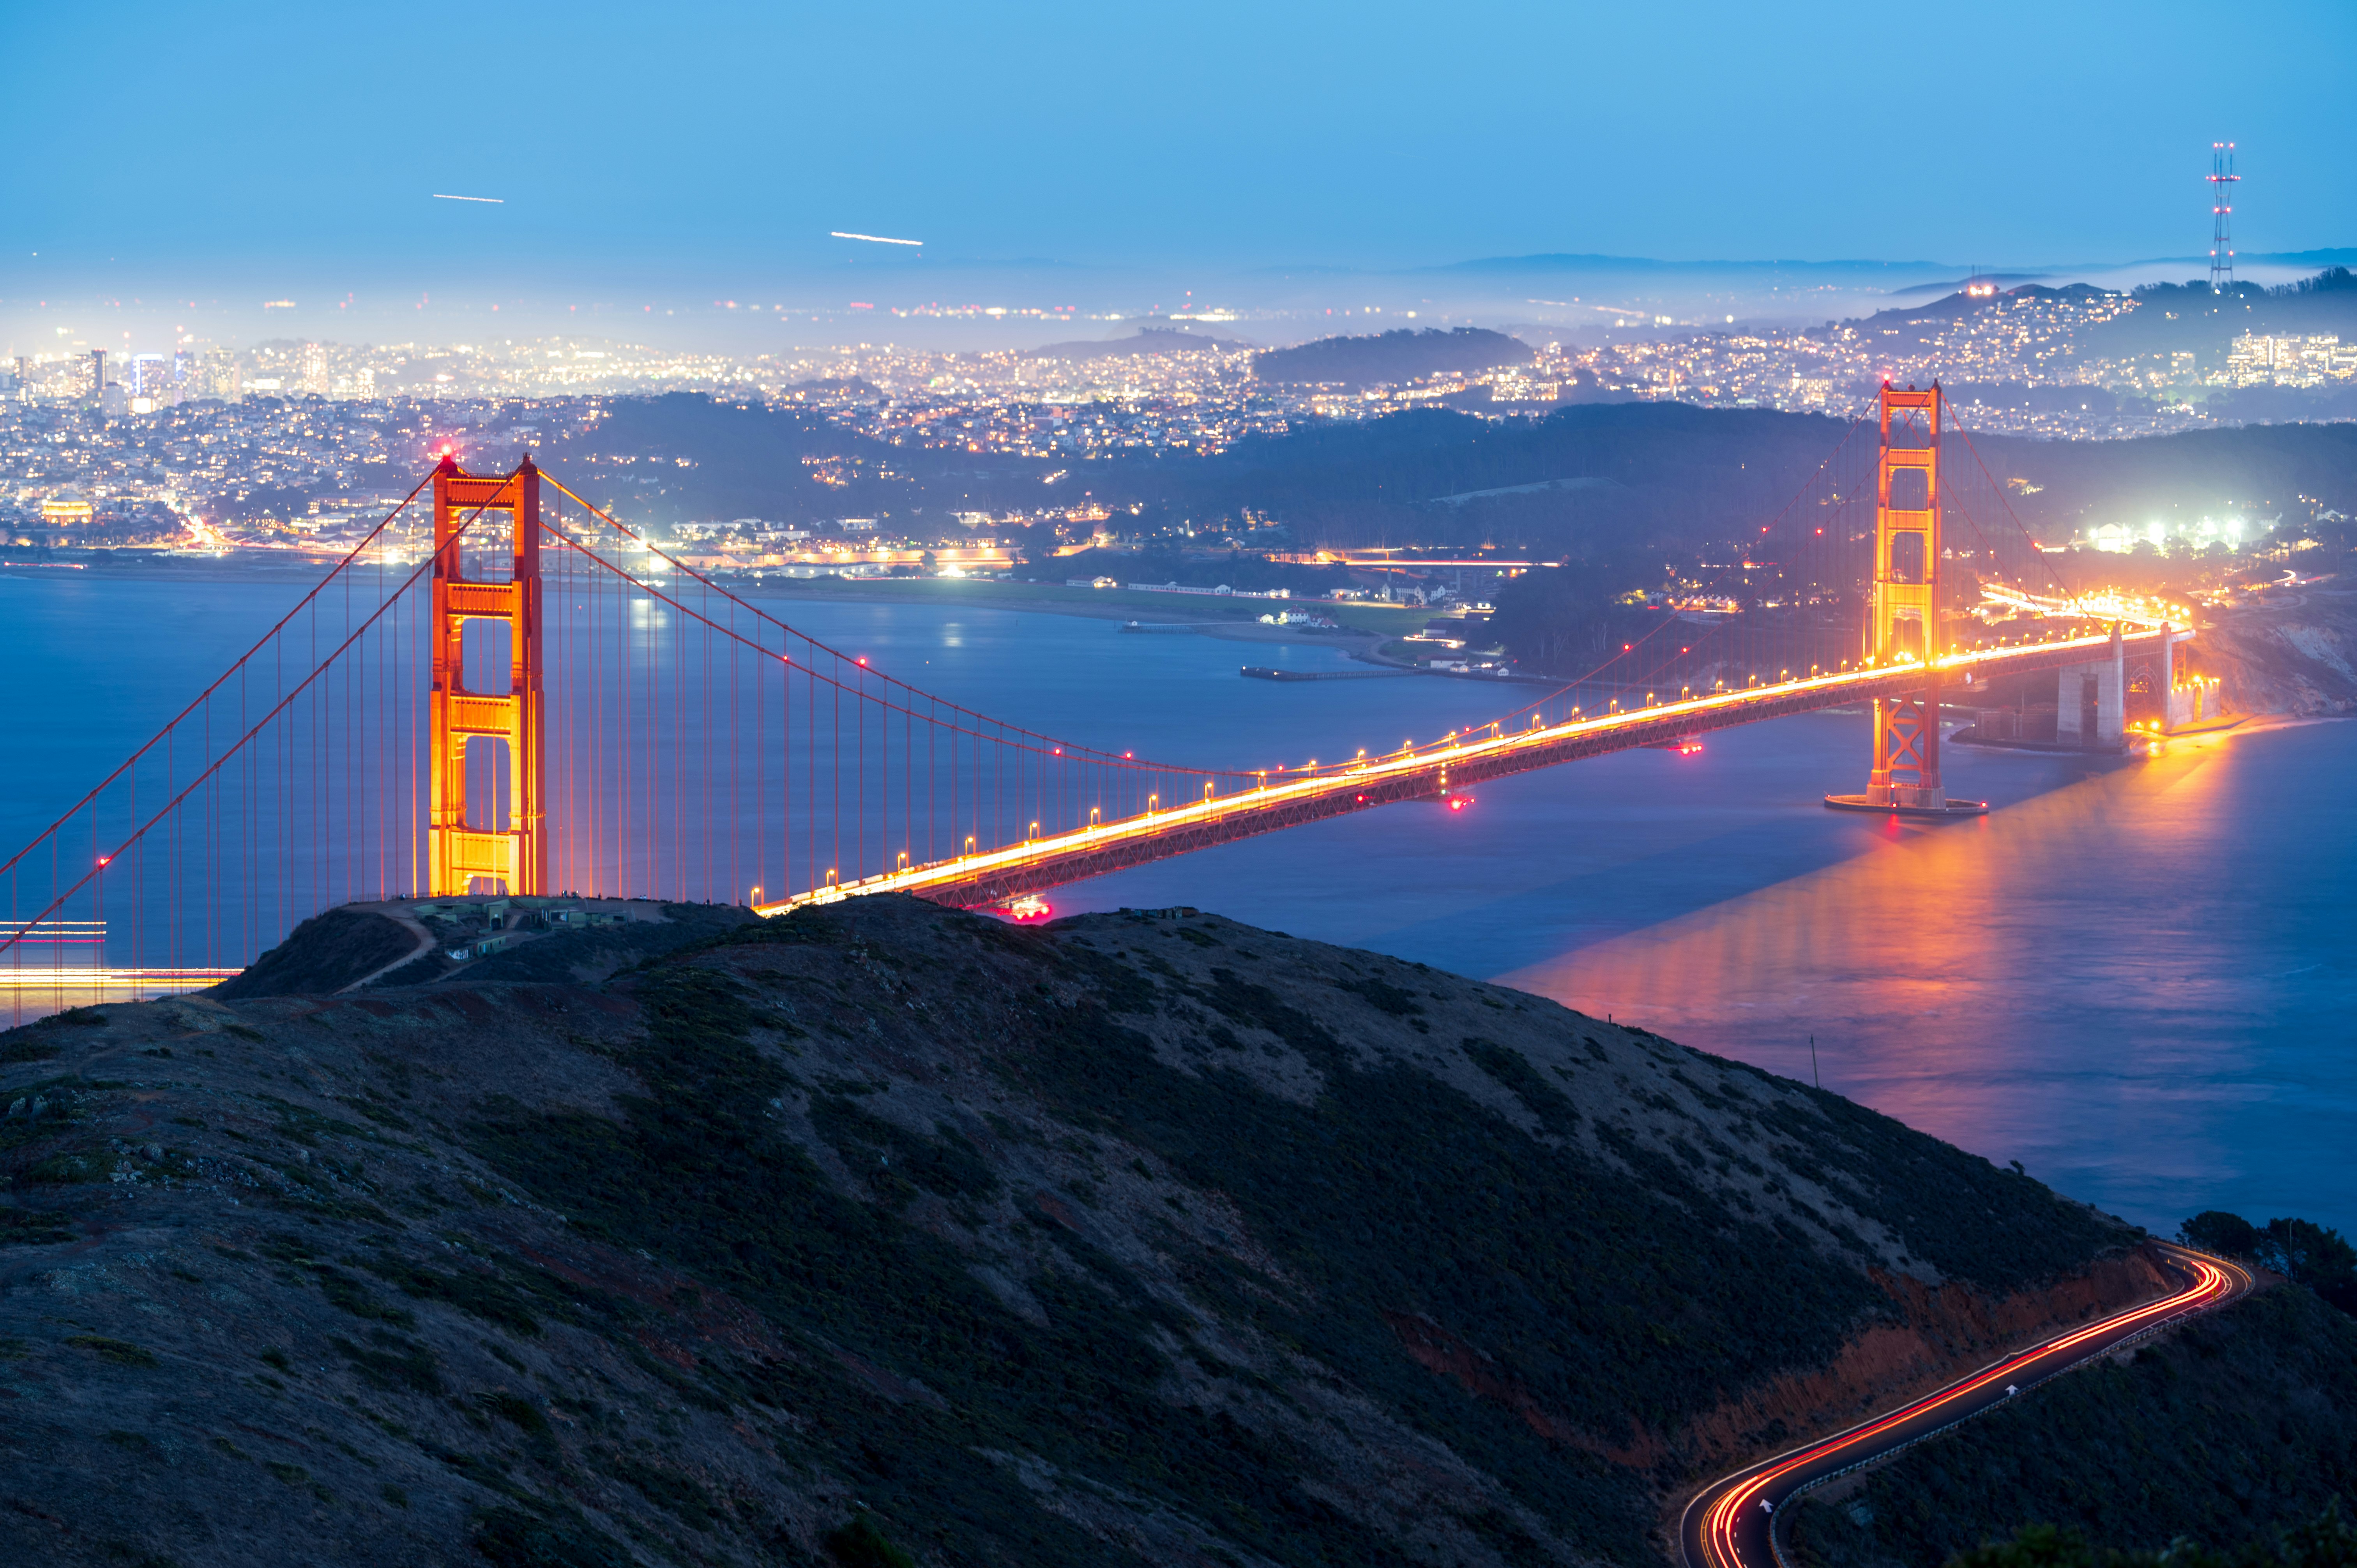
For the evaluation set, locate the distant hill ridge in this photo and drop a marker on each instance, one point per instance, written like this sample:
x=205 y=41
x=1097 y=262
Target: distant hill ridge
x=1145 y=341
x=1403 y=355
x=1688 y=472
x=2167 y=315
x=1961 y=304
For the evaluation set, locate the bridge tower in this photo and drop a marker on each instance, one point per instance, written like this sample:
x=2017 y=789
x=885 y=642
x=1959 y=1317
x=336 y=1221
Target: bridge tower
x=459 y=850
x=1902 y=618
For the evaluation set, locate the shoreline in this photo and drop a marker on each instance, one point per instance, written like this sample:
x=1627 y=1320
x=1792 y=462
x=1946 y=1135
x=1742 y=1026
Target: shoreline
x=1240 y=621
x=1365 y=627
x=1240 y=624
x=1119 y=606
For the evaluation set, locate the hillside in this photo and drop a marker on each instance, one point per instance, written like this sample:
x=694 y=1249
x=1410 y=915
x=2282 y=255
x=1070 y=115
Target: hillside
x=2266 y=1390
x=1919 y=327
x=2166 y=317
x=1681 y=477
x=2187 y=316
x=1132 y=1238
x=1390 y=358
x=2296 y=654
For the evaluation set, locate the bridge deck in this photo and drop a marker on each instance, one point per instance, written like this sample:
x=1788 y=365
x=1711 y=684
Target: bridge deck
x=992 y=877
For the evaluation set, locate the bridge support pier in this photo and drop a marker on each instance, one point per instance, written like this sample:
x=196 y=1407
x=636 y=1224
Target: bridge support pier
x=2090 y=701
x=1904 y=778
x=2188 y=702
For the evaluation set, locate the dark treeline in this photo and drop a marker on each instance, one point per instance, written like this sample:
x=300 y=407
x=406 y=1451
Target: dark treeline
x=2326 y=1541
x=1593 y=480
x=1566 y=620
x=2189 y=315
x=1657 y=474
x=2195 y=291
x=2299 y=1249
x=2331 y=280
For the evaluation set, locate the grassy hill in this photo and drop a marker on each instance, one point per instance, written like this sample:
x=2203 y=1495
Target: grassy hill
x=887 y=1230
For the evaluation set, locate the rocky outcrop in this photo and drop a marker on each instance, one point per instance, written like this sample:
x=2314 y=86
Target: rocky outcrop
x=2295 y=654
x=326 y=954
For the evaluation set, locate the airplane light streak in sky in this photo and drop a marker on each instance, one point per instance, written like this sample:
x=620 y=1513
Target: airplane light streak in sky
x=494 y=200
x=873 y=239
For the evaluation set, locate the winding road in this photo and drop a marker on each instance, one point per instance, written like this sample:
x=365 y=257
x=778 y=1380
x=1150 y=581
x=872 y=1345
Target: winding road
x=1728 y=1524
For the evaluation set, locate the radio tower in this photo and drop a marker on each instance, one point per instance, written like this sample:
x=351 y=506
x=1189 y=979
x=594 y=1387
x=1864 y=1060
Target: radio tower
x=2222 y=215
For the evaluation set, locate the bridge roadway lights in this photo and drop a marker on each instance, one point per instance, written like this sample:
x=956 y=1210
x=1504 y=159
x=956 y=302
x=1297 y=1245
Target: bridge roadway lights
x=1100 y=847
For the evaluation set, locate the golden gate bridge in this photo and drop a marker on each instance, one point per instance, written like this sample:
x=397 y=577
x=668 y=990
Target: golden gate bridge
x=547 y=703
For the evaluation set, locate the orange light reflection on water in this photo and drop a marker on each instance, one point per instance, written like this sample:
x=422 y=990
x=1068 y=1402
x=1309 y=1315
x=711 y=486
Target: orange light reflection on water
x=1946 y=968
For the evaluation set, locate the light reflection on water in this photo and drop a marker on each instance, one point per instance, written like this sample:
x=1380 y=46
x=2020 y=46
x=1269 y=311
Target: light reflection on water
x=2138 y=983
x=2139 y=980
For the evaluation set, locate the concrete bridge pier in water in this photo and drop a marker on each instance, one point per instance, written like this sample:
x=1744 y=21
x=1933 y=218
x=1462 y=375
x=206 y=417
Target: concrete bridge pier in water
x=2091 y=700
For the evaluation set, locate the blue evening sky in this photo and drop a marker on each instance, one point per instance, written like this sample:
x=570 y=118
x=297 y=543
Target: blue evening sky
x=1238 y=135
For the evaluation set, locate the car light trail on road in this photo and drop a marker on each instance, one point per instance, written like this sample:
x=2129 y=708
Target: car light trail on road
x=1731 y=1522
x=102 y=984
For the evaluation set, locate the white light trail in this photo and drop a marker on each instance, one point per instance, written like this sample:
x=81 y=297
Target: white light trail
x=872 y=239
x=2102 y=605
x=494 y=200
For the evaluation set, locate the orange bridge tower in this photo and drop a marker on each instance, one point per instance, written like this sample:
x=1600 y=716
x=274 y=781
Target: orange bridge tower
x=1902 y=618
x=459 y=850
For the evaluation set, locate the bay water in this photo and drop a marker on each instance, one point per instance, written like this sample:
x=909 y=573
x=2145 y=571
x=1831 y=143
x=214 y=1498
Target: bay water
x=2136 y=978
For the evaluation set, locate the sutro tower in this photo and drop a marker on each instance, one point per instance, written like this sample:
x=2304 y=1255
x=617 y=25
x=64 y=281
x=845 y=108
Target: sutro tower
x=2222 y=215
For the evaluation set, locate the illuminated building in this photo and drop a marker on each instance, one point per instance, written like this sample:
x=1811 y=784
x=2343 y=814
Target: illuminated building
x=151 y=382
x=218 y=375
x=66 y=514
x=2253 y=360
